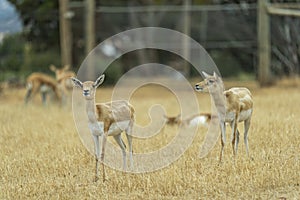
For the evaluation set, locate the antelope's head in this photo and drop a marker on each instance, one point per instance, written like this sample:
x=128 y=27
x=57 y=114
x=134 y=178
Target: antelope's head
x=210 y=83
x=88 y=87
x=59 y=73
x=173 y=120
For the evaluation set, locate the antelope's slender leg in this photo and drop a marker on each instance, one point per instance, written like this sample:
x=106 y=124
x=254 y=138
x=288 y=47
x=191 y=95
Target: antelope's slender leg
x=223 y=139
x=120 y=142
x=97 y=155
x=237 y=138
x=106 y=128
x=247 y=126
x=234 y=134
x=129 y=139
x=32 y=92
x=44 y=97
x=28 y=94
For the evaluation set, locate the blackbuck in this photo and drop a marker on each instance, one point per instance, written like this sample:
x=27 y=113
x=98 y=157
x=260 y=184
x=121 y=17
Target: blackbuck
x=43 y=83
x=202 y=119
x=238 y=108
x=107 y=119
x=63 y=76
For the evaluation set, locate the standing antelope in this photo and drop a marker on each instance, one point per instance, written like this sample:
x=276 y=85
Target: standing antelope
x=63 y=76
x=39 y=82
x=194 y=120
x=238 y=108
x=111 y=118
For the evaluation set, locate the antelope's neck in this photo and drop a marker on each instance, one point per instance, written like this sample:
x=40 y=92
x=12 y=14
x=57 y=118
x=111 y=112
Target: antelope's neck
x=91 y=111
x=220 y=103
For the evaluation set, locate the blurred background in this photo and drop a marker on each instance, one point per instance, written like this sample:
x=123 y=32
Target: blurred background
x=247 y=39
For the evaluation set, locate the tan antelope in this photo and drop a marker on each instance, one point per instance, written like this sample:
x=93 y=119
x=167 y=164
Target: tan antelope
x=63 y=76
x=238 y=108
x=43 y=83
x=202 y=119
x=107 y=119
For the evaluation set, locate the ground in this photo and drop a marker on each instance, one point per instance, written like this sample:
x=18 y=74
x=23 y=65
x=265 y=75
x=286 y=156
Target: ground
x=42 y=156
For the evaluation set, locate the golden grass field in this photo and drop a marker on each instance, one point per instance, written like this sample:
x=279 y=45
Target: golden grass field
x=42 y=156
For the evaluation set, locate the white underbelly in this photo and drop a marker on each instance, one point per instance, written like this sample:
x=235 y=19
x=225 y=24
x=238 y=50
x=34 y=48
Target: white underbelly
x=114 y=129
x=200 y=120
x=245 y=114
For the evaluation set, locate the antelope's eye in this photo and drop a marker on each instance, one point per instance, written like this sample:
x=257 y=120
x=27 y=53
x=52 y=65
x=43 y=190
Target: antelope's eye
x=211 y=81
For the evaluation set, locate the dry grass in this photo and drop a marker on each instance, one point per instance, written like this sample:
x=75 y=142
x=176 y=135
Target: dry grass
x=42 y=156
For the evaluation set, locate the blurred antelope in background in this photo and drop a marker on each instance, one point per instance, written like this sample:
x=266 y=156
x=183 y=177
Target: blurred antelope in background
x=107 y=119
x=63 y=76
x=43 y=83
x=238 y=108
x=202 y=119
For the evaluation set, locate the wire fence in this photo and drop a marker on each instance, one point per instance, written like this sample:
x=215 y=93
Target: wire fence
x=228 y=32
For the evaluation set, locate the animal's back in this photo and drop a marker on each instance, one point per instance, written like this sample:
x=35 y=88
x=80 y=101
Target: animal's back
x=120 y=110
x=241 y=95
x=44 y=78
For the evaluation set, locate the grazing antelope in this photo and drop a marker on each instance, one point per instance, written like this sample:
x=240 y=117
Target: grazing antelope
x=107 y=119
x=63 y=76
x=238 y=108
x=194 y=120
x=39 y=82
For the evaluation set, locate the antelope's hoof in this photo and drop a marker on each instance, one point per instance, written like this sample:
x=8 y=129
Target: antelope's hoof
x=96 y=178
x=105 y=179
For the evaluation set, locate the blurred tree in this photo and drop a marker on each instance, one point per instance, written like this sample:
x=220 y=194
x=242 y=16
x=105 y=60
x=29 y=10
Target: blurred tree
x=40 y=20
x=11 y=53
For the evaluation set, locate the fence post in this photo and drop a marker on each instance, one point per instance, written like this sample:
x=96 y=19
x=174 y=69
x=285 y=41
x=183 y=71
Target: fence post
x=186 y=31
x=263 y=38
x=65 y=33
x=90 y=36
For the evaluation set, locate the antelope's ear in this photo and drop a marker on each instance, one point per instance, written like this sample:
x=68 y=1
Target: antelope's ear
x=216 y=75
x=99 y=81
x=52 y=68
x=66 y=67
x=206 y=75
x=76 y=82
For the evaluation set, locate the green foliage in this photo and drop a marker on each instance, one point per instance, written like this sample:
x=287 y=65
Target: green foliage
x=40 y=61
x=226 y=63
x=40 y=19
x=113 y=73
x=11 y=53
x=18 y=59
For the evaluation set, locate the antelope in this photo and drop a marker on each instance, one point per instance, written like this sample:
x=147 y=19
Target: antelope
x=39 y=82
x=193 y=120
x=238 y=108
x=107 y=119
x=63 y=76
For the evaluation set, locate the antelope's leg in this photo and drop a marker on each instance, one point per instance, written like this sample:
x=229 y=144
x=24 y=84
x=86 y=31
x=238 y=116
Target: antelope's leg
x=129 y=139
x=237 y=138
x=44 y=97
x=28 y=94
x=223 y=139
x=120 y=142
x=247 y=126
x=106 y=128
x=97 y=154
x=234 y=134
x=32 y=91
